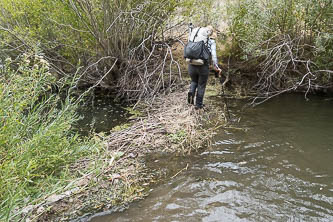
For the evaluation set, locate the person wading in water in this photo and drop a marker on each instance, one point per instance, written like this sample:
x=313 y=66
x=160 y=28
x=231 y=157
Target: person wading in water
x=198 y=69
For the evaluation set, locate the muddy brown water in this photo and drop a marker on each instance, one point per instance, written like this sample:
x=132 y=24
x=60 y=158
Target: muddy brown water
x=275 y=165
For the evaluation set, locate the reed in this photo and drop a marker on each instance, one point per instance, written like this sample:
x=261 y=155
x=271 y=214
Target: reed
x=36 y=135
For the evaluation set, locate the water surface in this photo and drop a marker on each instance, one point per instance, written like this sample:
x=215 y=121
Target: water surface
x=276 y=164
x=101 y=114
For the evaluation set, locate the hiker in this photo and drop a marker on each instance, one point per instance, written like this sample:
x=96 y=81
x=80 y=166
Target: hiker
x=198 y=69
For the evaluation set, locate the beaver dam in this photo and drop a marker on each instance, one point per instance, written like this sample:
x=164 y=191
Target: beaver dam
x=168 y=125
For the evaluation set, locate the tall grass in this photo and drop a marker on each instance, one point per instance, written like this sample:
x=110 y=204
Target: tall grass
x=37 y=142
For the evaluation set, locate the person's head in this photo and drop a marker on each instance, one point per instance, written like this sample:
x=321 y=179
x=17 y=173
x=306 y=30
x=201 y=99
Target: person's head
x=210 y=29
x=212 y=32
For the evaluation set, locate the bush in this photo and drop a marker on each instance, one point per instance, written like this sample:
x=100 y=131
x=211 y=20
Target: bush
x=290 y=40
x=120 y=44
x=201 y=12
x=36 y=136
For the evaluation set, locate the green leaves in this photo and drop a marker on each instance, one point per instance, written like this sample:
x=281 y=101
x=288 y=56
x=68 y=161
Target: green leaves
x=178 y=137
x=254 y=21
x=287 y=40
x=201 y=12
x=36 y=139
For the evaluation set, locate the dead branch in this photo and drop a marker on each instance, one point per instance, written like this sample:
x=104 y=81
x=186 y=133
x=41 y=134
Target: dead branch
x=285 y=68
x=130 y=35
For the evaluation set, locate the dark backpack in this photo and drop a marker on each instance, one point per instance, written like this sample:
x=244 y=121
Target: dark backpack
x=197 y=50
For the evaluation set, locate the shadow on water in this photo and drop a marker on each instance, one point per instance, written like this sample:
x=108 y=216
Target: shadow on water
x=101 y=114
x=276 y=165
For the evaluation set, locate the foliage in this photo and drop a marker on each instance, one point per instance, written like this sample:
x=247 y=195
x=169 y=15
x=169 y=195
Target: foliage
x=202 y=12
x=291 y=40
x=130 y=45
x=324 y=50
x=36 y=136
x=252 y=21
x=120 y=127
x=178 y=137
x=27 y=23
x=111 y=40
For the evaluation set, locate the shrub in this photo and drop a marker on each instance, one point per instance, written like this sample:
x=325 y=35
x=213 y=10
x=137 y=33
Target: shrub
x=120 y=44
x=36 y=136
x=290 y=40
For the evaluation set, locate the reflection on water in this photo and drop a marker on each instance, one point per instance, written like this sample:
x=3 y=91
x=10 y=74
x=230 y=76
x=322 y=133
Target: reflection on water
x=279 y=169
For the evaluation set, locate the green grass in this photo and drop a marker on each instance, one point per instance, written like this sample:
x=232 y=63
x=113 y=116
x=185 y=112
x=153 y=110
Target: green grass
x=37 y=141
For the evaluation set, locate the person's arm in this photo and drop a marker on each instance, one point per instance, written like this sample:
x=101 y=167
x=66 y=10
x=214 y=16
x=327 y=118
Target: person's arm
x=214 y=56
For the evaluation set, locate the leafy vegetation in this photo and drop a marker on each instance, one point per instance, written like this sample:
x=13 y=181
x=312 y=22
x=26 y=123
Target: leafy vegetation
x=111 y=44
x=290 y=42
x=202 y=12
x=36 y=136
x=115 y=43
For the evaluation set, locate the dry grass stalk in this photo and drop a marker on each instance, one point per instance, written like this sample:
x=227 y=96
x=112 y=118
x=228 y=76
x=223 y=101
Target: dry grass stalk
x=170 y=125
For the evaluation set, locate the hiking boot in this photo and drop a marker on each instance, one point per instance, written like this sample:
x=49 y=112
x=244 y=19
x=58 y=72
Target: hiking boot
x=199 y=106
x=190 y=98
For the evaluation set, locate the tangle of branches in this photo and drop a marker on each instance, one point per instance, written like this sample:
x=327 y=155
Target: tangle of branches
x=117 y=45
x=287 y=66
x=134 y=37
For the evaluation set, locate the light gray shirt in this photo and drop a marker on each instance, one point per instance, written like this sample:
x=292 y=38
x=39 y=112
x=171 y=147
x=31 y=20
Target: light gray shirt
x=212 y=48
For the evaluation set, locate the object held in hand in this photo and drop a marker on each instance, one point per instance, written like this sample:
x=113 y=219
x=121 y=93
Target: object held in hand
x=218 y=70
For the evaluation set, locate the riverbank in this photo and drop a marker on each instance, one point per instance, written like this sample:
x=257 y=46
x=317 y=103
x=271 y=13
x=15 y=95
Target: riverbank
x=117 y=174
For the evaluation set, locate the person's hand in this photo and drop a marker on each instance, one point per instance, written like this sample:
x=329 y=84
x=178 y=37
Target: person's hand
x=219 y=71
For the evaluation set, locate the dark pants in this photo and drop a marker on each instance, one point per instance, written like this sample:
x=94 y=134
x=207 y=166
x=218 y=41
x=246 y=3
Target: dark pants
x=199 y=77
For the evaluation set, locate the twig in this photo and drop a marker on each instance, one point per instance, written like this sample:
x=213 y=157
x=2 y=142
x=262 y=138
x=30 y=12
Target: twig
x=179 y=172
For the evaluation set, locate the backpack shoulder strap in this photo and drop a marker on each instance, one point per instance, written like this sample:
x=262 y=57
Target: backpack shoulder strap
x=196 y=34
x=208 y=43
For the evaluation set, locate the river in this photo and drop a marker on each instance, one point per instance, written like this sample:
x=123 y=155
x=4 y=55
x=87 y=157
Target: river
x=274 y=164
